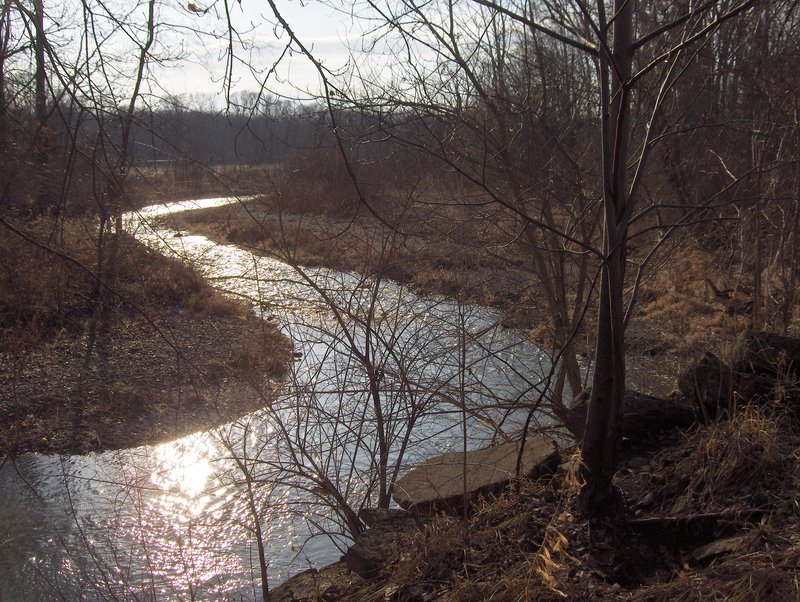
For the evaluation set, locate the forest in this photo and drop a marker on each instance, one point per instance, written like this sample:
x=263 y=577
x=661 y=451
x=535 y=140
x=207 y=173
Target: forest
x=236 y=323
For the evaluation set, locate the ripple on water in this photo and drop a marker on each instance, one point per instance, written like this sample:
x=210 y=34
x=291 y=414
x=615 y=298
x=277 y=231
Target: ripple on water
x=174 y=520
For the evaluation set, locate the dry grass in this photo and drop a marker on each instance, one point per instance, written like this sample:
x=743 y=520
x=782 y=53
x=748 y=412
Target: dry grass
x=177 y=355
x=733 y=462
x=43 y=296
x=262 y=354
x=760 y=576
x=40 y=295
x=512 y=548
x=447 y=250
x=529 y=545
x=677 y=309
x=148 y=279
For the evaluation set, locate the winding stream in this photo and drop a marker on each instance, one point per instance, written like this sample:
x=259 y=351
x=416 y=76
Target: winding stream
x=174 y=521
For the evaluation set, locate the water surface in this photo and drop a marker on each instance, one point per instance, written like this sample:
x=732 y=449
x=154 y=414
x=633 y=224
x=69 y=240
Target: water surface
x=176 y=521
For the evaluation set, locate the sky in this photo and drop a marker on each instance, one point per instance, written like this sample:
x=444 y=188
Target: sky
x=202 y=65
x=95 y=45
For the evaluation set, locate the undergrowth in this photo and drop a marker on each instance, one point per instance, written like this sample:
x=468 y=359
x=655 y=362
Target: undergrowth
x=52 y=289
x=530 y=544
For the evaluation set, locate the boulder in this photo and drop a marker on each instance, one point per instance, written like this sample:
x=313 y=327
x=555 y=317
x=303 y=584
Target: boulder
x=707 y=385
x=329 y=583
x=769 y=353
x=644 y=415
x=438 y=483
x=763 y=373
x=368 y=555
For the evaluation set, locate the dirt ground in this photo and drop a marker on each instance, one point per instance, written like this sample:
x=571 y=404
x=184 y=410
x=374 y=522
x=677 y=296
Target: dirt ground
x=159 y=381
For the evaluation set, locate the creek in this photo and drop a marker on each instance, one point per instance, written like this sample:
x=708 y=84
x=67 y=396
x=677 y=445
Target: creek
x=174 y=521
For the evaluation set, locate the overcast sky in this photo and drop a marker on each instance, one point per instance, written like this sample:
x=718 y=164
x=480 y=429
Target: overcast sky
x=260 y=43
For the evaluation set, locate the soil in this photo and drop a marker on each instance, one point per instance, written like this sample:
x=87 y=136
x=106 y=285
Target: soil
x=157 y=382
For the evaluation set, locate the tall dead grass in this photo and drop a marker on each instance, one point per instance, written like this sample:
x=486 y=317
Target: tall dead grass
x=43 y=295
x=763 y=575
x=730 y=464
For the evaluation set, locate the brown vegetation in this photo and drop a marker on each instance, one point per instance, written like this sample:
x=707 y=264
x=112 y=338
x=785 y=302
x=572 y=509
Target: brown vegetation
x=178 y=355
x=678 y=314
x=710 y=514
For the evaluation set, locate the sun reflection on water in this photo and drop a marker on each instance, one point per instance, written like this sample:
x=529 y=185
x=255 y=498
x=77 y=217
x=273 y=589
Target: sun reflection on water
x=183 y=470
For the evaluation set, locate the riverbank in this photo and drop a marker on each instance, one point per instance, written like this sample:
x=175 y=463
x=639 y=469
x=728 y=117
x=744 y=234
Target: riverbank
x=173 y=357
x=678 y=318
x=708 y=514
x=706 y=510
x=159 y=382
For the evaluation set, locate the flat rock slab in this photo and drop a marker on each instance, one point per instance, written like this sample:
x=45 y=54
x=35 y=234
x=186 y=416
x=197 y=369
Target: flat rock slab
x=438 y=483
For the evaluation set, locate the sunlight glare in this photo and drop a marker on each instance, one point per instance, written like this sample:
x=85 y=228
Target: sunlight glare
x=183 y=468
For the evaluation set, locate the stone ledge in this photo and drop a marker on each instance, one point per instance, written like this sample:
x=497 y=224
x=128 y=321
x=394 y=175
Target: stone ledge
x=438 y=483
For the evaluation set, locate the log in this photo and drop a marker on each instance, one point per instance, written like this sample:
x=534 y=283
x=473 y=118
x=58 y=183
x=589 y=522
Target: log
x=644 y=416
x=678 y=531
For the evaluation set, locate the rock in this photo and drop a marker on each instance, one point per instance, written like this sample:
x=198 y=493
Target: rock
x=769 y=353
x=438 y=483
x=368 y=555
x=644 y=416
x=329 y=583
x=394 y=517
x=714 y=388
x=707 y=385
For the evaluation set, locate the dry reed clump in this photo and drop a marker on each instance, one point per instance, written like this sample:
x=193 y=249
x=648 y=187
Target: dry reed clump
x=262 y=354
x=513 y=547
x=430 y=557
x=763 y=575
x=731 y=464
x=148 y=279
x=677 y=303
x=43 y=294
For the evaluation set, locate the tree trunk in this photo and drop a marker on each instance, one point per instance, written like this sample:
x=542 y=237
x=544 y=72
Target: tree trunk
x=42 y=148
x=606 y=404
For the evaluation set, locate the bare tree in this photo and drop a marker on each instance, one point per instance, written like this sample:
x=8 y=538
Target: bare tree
x=637 y=61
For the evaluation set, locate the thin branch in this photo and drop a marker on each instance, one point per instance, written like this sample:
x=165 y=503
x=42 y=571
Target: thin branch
x=578 y=44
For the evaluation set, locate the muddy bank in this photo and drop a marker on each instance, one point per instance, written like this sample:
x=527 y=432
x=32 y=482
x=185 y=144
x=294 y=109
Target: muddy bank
x=156 y=383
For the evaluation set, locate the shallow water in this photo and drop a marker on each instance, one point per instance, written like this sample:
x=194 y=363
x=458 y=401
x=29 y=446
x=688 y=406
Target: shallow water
x=174 y=521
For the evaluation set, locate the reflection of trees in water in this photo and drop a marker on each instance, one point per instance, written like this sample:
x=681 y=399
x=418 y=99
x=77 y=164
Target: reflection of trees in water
x=383 y=379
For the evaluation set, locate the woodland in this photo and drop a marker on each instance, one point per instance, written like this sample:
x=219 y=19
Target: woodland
x=617 y=183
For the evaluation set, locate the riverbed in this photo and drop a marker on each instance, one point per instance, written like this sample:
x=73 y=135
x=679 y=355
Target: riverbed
x=177 y=521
